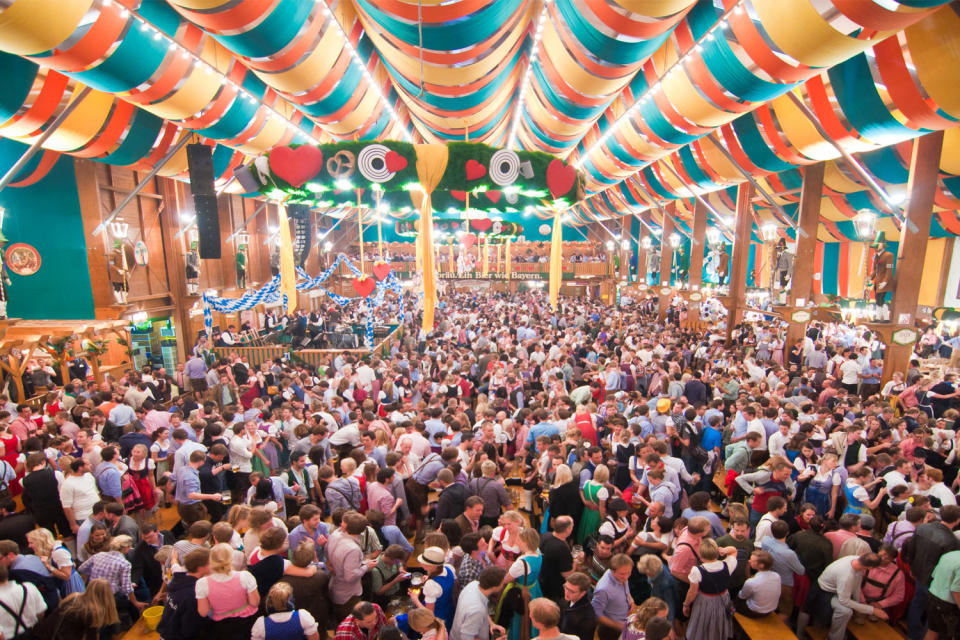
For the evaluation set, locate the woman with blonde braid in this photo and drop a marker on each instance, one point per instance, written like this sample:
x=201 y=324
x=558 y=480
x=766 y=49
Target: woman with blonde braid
x=57 y=559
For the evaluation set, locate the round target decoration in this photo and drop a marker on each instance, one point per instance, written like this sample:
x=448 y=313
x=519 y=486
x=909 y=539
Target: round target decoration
x=544 y=229
x=504 y=167
x=22 y=259
x=379 y=164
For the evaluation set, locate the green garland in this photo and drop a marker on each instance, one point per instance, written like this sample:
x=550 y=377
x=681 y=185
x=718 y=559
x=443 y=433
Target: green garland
x=385 y=172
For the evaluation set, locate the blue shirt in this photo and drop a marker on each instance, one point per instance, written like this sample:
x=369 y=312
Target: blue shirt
x=122 y=415
x=543 y=429
x=109 y=480
x=739 y=425
x=188 y=481
x=716 y=525
x=300 y=534
x=611 y=598
x=785 y=560
x=871 y=375
x=709 y=413
x=711 y=439
x=429 y=469
x=436 y=430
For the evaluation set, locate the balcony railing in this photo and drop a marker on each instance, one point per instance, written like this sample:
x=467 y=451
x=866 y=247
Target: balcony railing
x=570 y=269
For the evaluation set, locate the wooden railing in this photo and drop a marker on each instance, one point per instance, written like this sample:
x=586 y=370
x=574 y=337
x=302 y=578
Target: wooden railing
x=575 y=269
x=256 y=355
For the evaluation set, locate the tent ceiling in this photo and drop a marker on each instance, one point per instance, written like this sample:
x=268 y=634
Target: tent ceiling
x=626 y=89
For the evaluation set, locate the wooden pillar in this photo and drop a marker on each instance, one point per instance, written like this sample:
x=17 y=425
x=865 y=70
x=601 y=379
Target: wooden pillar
x=642 y=255
x=801 y=285
x=698 y=244
x=945 y=271
x=741 y=254
x=625 y=253
x=174 y=263
x=666 y=258
x=98 y=246
x=921 y=188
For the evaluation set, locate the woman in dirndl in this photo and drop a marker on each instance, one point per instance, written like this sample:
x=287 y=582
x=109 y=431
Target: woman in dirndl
x=708 y=600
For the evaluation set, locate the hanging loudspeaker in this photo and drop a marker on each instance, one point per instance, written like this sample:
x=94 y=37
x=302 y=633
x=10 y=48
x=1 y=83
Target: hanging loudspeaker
x=246 y=179
x=200 y=167
x=302 y=232
x=208 y=225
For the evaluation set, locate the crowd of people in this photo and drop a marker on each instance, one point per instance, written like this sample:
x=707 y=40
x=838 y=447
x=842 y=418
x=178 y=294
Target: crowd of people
x=517 y=472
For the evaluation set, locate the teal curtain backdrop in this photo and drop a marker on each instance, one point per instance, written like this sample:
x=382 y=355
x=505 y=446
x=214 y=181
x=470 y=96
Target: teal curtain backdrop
x=47 y=216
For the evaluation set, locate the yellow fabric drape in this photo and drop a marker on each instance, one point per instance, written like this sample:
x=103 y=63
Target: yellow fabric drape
x=858 y=269
x=379 y=227
x=288 y=273
x=450 y=247
x=486 y=255
x=556 y=258
x=417 y=257
x=499 y=264
x=507 y=267
x=431 y=163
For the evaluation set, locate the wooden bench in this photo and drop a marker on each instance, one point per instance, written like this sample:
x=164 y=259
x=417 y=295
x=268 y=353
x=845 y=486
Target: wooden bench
x=866 y=630
x=869 y=630
x=769 y=627
x=817 y=633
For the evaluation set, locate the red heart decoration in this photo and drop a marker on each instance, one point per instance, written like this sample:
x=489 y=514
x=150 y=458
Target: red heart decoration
x=364 y=286
x=494 y=196
x=394 y=161
x=296 y=166
x=481 y=224
x=459 y=195
x=468 y=240
x=475 y=170
x=560 y=177
x=381 y=270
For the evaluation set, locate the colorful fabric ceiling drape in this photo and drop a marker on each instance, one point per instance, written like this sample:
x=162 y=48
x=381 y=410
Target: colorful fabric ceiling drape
x=639 y=93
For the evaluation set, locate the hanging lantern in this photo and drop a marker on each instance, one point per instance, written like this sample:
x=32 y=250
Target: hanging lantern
x=865 y=222
x=769 y=232
x=119 y=229
x=713 y=235
x=675 y=240
x=646 y=243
